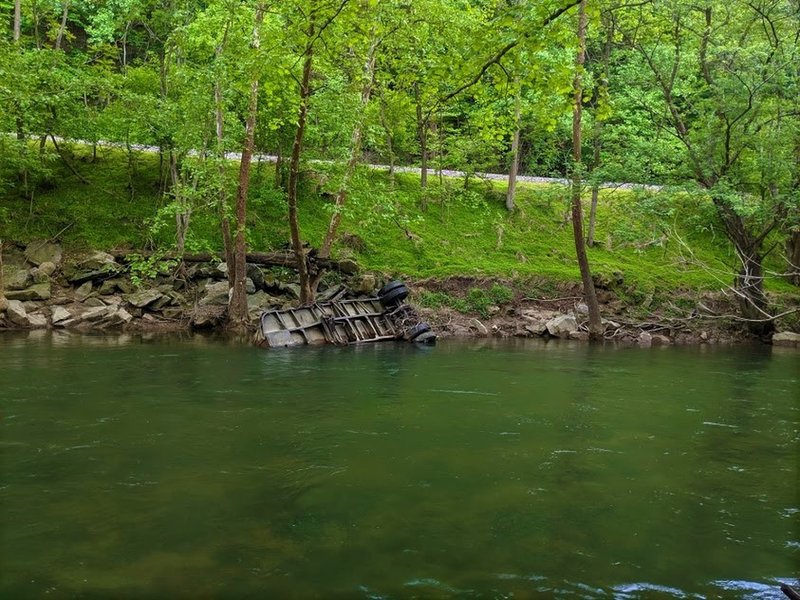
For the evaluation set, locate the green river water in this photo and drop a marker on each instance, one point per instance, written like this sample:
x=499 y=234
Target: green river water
x=185 y=467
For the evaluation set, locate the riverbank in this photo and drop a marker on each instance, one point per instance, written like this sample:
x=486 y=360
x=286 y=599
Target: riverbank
x=48 y=288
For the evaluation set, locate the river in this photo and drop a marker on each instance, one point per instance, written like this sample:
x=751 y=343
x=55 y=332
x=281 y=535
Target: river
x=195 y=467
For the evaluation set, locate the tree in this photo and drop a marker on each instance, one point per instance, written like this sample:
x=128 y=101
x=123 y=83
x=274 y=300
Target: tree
x=319 y=17
x=727 y=78
x=237 y=313
x=595 y=324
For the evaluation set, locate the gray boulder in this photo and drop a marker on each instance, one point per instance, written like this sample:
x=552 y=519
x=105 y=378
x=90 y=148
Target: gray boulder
x=109 y=286
x=561 y=326
x=348 y=266
x=17 y=314
x=144 y=298
x=18 y=279
x=100 y=265
x=41 y=252
x=119 y=316
x=59 y=315
x=39 y=291
x=3 y=303
x=37 y=321
x=83 y=291
x=39 y=276
x=290 y=289
x=786 y=338
x=48 y=268
x=216 y=294
x=256 y=275
x=645 y=339
x=536 y=320
x=94 y=315
x=260 y=301
x=365 y=284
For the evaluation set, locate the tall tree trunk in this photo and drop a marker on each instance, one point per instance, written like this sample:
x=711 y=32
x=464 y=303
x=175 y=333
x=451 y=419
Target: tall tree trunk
x=512 y=173
x=306 y=294
x=238 y=307
x=595 y=324
x=219 y=130
x=63 y=26
x=17 y=20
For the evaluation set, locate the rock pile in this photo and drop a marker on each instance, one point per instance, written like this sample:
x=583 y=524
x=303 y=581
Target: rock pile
x=42 y=289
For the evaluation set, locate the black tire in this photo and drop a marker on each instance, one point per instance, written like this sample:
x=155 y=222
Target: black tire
x=416 y=330
x=428 y=338
x=396 y=296
x=392 y=285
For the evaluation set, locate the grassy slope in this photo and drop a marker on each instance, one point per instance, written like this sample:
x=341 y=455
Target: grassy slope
x=462 y=233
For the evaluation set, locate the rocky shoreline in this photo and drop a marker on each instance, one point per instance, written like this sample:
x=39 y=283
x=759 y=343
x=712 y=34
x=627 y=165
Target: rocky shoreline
x=96 y=291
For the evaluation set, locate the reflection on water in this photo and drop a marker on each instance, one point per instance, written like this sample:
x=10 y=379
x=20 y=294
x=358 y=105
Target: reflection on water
x=187 y=466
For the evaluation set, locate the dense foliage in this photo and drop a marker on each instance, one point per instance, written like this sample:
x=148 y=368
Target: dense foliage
x=701 y=96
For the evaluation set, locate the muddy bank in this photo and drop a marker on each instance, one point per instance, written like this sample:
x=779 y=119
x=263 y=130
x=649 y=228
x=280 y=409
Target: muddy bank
x=42 y=287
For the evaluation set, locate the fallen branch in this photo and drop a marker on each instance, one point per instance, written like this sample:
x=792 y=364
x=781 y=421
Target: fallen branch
x=270 y=259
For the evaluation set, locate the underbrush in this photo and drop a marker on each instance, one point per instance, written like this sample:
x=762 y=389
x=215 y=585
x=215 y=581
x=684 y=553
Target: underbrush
x=654 y=243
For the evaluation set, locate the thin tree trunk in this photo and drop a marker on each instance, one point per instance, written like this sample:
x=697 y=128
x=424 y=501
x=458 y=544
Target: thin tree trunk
x=63 y=27
x=219 y=130
x=422 y=135
x=597 y=145
x=279 y=183
x=355 y=153
x=595 y=324
x=793 y=256
x=389 y=140
x=17 y=20
x=184 y=213
x=238 y=306
x=306 y=294
x=512 y=173
x=595 y=183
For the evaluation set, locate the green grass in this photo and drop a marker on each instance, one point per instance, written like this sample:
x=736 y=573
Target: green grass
x=656 y=242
